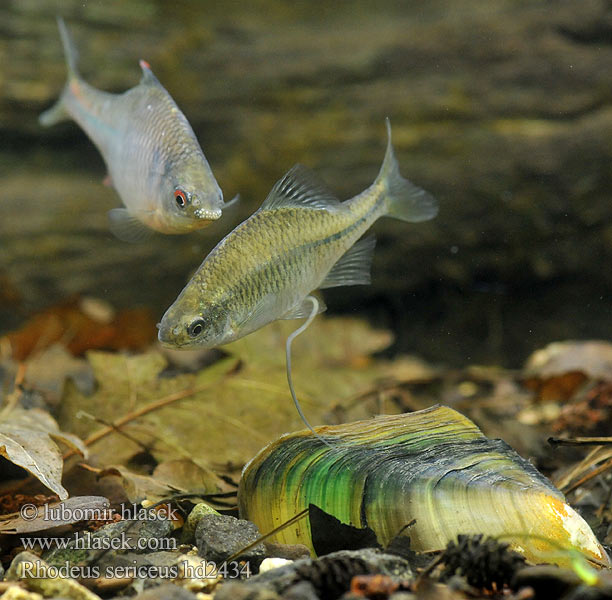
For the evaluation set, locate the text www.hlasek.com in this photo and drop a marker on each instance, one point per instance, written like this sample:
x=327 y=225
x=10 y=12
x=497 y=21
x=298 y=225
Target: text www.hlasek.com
x=87 y=541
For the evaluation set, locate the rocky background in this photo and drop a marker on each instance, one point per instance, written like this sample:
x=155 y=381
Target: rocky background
x=502 y=110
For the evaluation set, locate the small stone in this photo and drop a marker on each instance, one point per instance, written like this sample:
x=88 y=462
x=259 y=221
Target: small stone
x=166 y=591
x=289 y=551
x=236 y=590
x=197 y=512
x=15 y=592
x=273 y=563
x=220 y=536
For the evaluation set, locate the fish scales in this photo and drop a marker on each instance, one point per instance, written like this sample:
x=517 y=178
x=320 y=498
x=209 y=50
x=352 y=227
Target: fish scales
x=265 y=258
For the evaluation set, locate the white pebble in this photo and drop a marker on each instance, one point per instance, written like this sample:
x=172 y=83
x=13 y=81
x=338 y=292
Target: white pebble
x=273 y=563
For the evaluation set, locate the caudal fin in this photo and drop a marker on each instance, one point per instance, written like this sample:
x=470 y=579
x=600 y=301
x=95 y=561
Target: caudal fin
x=405 y=201
x=58 y=111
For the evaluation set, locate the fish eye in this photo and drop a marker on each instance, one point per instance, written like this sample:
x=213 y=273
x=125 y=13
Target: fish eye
x=195 y=328
x=181 y=198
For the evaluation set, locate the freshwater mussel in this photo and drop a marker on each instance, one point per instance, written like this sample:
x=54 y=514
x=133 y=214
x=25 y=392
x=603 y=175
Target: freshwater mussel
x=433 y=466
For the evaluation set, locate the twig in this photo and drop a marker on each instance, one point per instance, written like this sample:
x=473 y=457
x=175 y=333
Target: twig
x=427 y=570
x=100 y=421
x=580 y=441
x=594 y=473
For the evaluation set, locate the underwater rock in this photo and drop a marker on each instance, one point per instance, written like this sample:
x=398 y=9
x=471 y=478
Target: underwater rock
x=166 y=591
x=288 y=551
x=238 y=590
x=219 y=536
x=120 y=537
x=196 y=514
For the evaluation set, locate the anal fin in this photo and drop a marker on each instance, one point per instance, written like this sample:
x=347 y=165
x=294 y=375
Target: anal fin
x=127 y=227
x=353 y=268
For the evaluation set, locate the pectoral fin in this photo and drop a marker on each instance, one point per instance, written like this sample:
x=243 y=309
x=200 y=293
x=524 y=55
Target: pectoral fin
x=354 y=267
x=127 y=227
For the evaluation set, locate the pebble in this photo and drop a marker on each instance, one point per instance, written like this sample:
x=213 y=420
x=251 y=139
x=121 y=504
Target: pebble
x=289 y=551
x=166 y=591
x=196 y=514
x=238 y=590
x=273 y=563
x=219 y=536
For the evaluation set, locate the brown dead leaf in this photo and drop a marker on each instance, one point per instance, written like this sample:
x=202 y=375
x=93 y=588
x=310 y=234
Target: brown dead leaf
x=557 y=388
x=26 y=439
x=48 y=371
x=140 y=487
x=186 y=474
x=79 y=331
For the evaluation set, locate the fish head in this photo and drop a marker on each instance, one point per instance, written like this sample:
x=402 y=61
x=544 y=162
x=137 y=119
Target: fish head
x=195 y=324
x=192 y=200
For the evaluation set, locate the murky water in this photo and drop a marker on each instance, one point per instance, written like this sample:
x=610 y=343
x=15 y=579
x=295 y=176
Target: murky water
x=502 y=111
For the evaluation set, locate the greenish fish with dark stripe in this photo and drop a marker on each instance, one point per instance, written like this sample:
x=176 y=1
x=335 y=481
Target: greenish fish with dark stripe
x=154 y=160
x=301 y=239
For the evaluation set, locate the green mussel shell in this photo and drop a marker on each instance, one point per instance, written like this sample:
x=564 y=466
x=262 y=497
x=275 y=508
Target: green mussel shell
x=434 y=466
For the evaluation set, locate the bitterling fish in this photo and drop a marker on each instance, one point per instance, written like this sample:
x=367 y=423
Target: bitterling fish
x=153 y=158
x=301 y=239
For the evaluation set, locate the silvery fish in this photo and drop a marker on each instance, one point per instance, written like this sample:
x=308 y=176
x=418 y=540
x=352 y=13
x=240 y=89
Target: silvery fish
x=300 y=240
x=153 y=158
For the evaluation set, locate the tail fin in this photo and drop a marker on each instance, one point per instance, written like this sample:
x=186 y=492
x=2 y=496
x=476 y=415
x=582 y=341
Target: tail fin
x=405 y=201
x=58 y=111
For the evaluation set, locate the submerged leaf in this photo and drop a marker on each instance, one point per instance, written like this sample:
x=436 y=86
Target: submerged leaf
x=72 y=510
x=189 y=476
x=80 y=330
x=26 y=439
x=557 y=371
x=140 y=487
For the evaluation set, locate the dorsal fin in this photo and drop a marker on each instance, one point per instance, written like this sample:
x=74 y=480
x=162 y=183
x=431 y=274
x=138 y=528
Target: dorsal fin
x=300 y=187
x=147 y=75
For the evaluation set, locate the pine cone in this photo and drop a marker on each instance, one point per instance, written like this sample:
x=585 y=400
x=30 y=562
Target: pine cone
x=483 y=562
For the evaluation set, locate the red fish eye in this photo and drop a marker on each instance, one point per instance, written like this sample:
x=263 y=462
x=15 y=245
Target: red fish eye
x=180 y=197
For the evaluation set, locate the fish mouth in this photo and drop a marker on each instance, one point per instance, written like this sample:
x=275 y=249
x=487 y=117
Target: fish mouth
x=210 y=214
x=167 y=337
